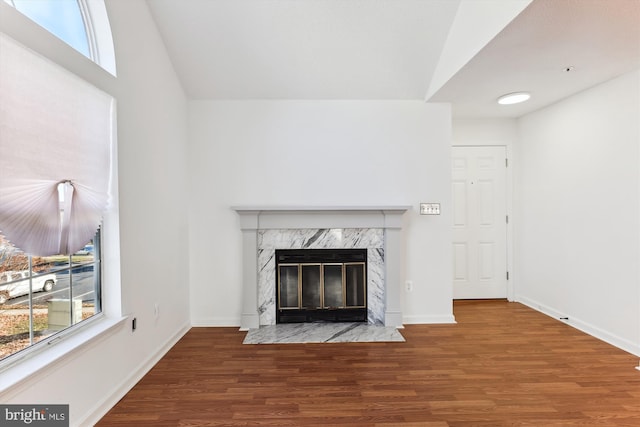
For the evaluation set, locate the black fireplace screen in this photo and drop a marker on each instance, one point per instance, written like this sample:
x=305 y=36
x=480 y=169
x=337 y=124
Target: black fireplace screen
x=321 y=285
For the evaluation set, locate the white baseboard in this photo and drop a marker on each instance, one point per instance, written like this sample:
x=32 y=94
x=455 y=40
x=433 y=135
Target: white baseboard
x=587 y=328
x=428 y=319
x=216 y=322
x=121 y=390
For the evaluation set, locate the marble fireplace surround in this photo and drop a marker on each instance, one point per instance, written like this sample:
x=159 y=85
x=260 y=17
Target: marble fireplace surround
x=266 y=228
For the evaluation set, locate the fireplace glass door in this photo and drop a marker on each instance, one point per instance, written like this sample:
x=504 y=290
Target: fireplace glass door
x=333 y=286
x=310 y=286
x=310 y=291
x=355 y=294
x=289 y=287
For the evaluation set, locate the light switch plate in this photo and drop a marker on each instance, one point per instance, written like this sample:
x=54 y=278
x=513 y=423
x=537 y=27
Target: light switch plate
x=429 y=208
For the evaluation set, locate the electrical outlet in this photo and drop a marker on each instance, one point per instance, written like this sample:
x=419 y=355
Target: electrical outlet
x=409 y=285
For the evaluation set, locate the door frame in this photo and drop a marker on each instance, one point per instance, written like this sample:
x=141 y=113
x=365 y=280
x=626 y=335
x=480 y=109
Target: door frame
x=511 y=282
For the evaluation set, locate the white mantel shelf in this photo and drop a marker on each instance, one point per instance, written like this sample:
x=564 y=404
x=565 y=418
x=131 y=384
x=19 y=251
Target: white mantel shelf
x=291 y=217
x=307 y=208
x=256 y=218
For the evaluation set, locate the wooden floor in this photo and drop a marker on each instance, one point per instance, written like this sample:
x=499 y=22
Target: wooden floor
x=503 y=364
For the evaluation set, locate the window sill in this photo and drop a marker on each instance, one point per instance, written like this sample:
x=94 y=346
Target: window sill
x=55 y=351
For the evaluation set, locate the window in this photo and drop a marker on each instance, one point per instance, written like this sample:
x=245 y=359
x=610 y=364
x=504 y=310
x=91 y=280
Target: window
x=56 y=178
x=82 y=24
x=42 y=296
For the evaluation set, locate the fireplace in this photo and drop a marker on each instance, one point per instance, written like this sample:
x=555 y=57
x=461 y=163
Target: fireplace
x=265 y=229
x=321 y=285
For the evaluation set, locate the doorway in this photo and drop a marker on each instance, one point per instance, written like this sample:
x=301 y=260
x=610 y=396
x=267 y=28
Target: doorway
x=479 y=193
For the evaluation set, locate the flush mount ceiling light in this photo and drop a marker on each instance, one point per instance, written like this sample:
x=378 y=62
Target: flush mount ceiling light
x=513 y=98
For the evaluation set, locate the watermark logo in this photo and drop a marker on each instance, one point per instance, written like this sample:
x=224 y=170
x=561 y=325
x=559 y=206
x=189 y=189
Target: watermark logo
x=34 y=415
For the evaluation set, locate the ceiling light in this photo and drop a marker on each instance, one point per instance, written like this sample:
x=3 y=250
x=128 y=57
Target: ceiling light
x=513 y=98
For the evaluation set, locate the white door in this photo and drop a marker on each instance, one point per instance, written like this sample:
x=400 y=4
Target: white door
x=479 y=222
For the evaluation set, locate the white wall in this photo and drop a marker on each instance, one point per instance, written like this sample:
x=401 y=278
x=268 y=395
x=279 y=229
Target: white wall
x=577 y=211
x=473 y=132
x=316 y=153
x=152 y=137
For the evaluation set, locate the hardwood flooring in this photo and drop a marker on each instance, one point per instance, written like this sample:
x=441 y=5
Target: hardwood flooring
x=502 y=364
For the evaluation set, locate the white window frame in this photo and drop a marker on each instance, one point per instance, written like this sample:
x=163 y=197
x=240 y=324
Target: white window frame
x=98 y=29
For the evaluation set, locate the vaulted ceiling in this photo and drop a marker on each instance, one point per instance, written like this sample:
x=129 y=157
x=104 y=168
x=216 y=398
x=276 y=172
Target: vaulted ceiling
x=466 y=52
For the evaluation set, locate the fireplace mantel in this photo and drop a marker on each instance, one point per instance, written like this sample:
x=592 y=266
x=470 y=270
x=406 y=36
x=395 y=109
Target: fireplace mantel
x=312 y=208
x=388 y=218
x=286 y=217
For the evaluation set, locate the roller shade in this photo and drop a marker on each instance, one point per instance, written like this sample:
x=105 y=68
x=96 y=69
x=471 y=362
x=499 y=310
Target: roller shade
x=56 y=134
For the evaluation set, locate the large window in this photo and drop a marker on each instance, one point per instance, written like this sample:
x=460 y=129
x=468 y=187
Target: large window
x=41 y=296
x=57 y=147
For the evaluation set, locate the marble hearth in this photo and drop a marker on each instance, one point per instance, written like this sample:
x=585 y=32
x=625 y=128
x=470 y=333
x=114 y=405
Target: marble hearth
x=294 y=333
x=376 y=228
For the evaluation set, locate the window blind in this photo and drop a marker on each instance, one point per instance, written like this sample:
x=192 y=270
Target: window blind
x=56 y=147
